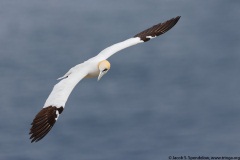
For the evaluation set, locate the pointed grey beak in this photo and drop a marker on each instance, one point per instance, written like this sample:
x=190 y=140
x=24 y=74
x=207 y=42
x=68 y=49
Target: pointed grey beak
x=100 y=76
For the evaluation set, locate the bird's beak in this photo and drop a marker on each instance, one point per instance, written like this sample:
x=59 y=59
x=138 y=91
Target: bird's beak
x=100 y=75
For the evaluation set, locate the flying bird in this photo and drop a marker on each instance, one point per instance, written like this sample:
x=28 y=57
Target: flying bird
x=96 y=66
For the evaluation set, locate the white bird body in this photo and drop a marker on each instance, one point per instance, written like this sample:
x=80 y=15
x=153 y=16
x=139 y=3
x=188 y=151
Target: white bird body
x=62 y=89
x=88 y=69
x=95 y=66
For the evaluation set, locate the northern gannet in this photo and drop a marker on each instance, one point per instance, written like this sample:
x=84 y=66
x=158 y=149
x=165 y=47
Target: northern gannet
x=94 y=67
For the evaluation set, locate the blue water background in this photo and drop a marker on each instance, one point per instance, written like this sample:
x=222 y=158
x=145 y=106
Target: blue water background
x=176 y=95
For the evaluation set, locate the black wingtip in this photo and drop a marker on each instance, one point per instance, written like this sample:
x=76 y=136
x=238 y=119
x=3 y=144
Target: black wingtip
x=177 y=18
x=43 y=122
x=157 y=29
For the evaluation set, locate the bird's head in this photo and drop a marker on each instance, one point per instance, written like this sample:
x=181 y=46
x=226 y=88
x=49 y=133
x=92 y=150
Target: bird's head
x=103 y=67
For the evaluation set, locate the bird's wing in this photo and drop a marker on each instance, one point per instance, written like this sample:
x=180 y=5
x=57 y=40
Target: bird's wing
x=54 y=105
x=143 y=36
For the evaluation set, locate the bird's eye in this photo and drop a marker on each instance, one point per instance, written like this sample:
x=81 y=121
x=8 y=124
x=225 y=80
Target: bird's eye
x=105 y=70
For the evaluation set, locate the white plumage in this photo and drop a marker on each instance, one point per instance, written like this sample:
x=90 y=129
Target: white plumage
x=62 y=90
x=96 y=66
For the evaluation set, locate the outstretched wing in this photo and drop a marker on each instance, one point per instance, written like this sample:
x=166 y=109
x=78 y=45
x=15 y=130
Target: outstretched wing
x=143 y=36
x=54 y=105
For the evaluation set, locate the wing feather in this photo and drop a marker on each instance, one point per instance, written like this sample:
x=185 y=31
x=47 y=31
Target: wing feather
x=157 y=30
x=143 y=36
x=54 y=105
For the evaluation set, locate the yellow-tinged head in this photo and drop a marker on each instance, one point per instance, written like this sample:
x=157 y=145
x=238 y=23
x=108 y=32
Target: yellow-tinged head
x=104 y=67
